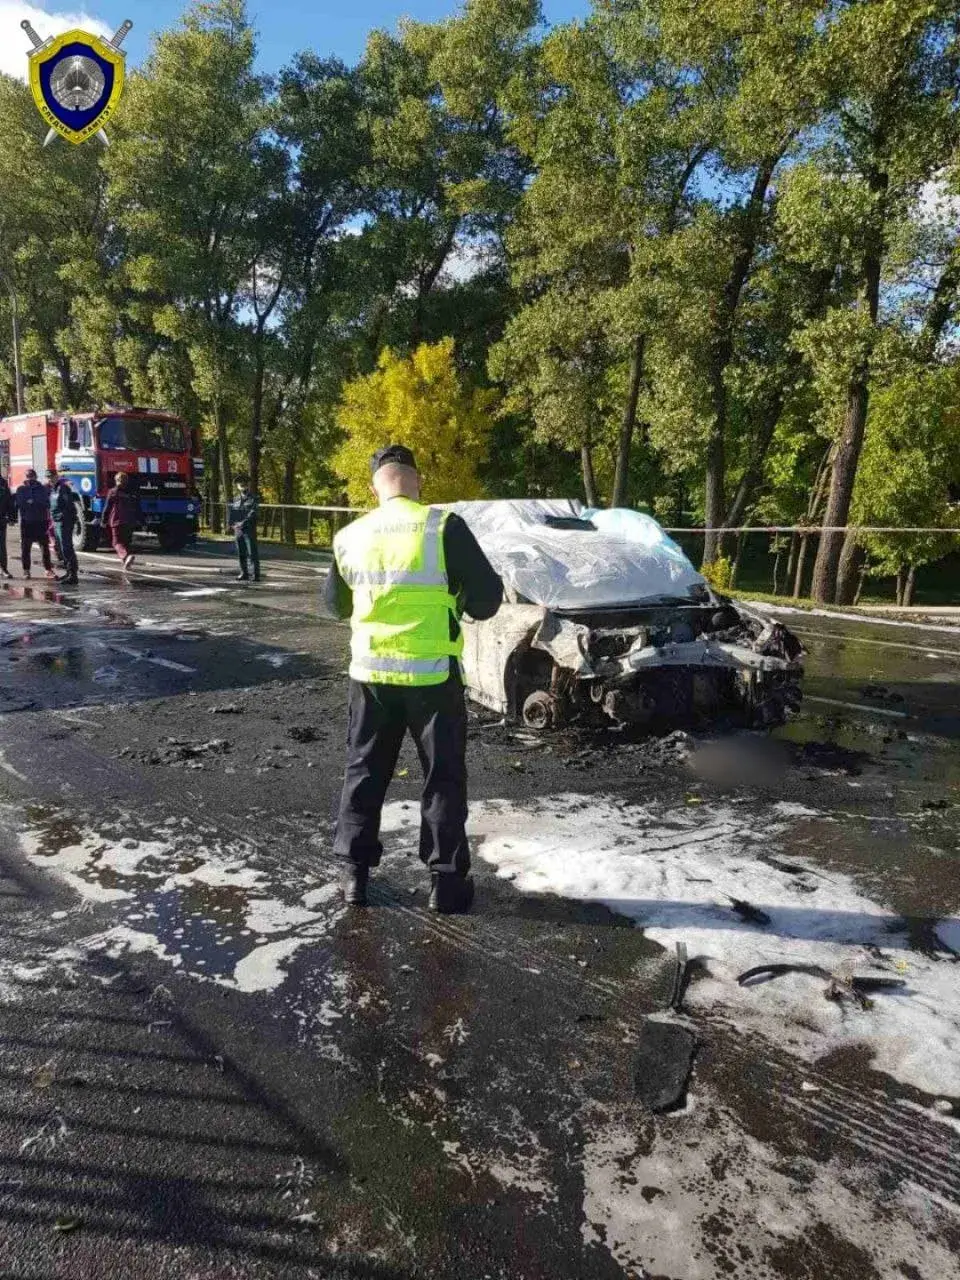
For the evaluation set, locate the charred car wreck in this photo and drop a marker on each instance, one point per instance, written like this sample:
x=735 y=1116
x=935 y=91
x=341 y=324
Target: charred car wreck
x=606 y=620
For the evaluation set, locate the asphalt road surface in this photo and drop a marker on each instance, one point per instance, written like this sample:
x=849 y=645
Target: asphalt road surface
x=210 y=1068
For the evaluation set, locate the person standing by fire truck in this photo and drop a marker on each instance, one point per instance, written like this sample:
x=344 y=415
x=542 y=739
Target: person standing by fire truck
x=8 y=515
x=33 y=507
x=121 y=515
x=53 y=530
x=63 y=509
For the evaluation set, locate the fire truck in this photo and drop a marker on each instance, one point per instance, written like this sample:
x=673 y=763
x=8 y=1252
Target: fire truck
x=159 y=452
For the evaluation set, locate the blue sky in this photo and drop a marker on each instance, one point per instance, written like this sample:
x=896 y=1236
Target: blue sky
x=285 y=26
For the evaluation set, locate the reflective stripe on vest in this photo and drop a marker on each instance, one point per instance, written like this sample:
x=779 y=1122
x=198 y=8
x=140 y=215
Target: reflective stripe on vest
x=377 y=663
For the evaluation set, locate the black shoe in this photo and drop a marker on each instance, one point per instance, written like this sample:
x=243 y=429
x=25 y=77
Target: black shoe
x=243 y=577
x=69 y=580
x=451 y=894
x=354 y=886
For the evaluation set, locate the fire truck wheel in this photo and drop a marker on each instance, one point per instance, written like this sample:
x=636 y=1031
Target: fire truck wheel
x=88 y=535
x=172 y=537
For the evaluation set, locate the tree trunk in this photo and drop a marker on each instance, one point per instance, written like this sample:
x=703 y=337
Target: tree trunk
x=901 y=583
x=722 y=353
x=223 y=451
x=824 y=588
x=735 y=567
x=847 y=456
x=589 y=478
x=909 y=585
x=801 y=565
x=792 y=559
x=288 y=492
x=66 y=380
x=627 y=424
x=213 y=494
x=256 y=421
x=713 y=506
x=679 y=497
x=851 y=560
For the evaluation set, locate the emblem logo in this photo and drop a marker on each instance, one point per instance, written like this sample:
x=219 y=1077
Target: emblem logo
x=76 y=79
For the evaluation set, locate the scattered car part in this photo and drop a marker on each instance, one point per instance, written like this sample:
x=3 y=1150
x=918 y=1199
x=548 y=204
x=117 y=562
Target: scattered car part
x=838 y=988
x=679 y=978
x=665 y=1054
x=746 y=911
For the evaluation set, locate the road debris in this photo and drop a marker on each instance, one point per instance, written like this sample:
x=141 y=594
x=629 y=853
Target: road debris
x=48 y=1137
x=665 y=1053
x=303 y=733
x=298 y=1177
x=749 y=913
x=680 y=975
x=178 y=751
x=839 y=987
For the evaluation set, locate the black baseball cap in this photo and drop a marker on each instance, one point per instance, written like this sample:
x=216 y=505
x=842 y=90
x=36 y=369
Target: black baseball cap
x=398 y=453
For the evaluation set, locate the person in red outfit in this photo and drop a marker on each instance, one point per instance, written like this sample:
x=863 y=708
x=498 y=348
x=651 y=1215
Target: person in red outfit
x=121 y=515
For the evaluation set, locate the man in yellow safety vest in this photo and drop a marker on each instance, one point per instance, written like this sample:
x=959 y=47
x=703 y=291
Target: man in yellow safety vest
x=404 y=575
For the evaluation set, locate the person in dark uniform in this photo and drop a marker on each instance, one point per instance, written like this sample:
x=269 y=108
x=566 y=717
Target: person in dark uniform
x=8 y=515
x=33 y=507
x=242 y=517
x=53 y=531
x=63 y=509
x=405 y=574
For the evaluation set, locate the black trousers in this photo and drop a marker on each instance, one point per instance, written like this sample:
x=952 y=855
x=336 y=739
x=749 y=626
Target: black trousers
x=3 y=545
x=249 y=553
x=379 y=717
x=67 y=554
x=30 y=534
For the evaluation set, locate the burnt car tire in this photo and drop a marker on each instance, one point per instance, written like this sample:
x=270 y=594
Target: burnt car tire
x=540 y=711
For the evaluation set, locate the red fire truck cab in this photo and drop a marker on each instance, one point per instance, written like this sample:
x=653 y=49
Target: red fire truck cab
x=156 y=449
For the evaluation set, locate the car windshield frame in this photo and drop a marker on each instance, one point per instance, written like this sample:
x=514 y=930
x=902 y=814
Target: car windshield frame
x=165 y=435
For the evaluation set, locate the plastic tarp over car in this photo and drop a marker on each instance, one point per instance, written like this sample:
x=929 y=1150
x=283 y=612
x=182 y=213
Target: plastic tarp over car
x=555 y=553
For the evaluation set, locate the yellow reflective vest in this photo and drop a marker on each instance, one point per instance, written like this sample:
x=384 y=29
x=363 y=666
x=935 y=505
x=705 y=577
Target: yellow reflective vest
x=393 y=561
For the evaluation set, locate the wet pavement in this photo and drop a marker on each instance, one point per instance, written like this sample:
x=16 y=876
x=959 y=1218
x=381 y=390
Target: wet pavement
x=211 y=1068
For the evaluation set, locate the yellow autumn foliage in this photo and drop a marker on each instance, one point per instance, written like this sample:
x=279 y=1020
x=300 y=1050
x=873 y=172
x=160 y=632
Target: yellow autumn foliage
x=416 y=400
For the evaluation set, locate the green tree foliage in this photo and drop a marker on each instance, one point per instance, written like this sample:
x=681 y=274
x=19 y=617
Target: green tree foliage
x=910 y=468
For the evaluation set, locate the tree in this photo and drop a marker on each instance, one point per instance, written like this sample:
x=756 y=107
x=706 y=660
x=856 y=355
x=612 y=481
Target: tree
x=889 y=70
x=420 y=401
x=190 y=170
x=442 y=179
x=52 y=215
x=908 y=471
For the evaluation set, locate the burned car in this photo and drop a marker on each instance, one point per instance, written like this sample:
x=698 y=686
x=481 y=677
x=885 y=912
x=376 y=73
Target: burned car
x=606 y=620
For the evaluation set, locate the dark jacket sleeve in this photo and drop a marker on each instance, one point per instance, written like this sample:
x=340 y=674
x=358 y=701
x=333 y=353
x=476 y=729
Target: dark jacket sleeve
x=108 y=507
x=337 y=596
x=472 y=578
x=248 y=514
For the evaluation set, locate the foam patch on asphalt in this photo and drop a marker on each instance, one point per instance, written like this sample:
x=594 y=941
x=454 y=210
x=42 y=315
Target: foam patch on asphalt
x=713 y=1201
x=186 y=897
x=674 y=872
